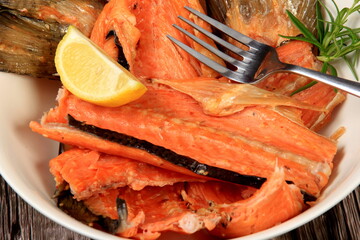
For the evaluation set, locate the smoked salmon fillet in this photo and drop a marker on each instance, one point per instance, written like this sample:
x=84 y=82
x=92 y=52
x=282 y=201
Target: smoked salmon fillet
x=265 y=22
x=196 y=151
x=187 y=208
x=320 y=94
x=132 y=20
x=97 y=172
x=142 y=26
x=264 y=137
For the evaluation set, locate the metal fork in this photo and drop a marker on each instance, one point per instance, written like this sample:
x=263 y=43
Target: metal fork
x=258 y=62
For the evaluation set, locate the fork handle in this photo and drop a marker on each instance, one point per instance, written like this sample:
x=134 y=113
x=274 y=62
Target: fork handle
x=346 y=85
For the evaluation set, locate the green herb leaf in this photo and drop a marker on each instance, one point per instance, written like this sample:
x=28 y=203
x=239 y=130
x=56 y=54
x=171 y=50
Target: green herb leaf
x=334 y=40
x=351 y=66
x=307 y=33
x=316 y=43
x=309 y=85
x=320 y=28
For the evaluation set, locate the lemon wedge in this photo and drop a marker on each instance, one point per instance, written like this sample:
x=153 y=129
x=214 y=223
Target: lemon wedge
x=88 y=73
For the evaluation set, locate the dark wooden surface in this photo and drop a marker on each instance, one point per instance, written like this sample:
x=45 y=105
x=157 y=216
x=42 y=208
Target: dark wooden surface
x=19 y=221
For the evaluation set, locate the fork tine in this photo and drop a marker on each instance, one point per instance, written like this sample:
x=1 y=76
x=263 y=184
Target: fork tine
x=245 y=54
x=227 y=58
x=236 y=76
x=251 y=43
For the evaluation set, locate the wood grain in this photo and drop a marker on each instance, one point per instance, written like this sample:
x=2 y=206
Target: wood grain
x=19 y=221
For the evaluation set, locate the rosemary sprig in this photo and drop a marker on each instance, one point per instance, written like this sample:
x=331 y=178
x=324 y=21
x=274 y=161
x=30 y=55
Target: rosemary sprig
x=334 y=40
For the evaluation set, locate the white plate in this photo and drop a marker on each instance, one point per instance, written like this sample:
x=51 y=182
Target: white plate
x=24 y=155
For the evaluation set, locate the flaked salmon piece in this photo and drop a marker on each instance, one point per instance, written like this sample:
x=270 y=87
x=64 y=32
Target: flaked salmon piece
x=293 y=52
x=205 y=70
x=90 y=172
x=170 y=104
x=321 y=95
x=149 y=42
x=141 y=27
x=252 y=148
x=223 y=209
x=117 y=16
x=71 y=136
x=156 y=19
x=151 y=211
x=276 y=200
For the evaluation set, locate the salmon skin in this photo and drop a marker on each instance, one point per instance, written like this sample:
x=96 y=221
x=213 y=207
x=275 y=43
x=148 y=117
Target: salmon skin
x=82 y=14
x=78 y=210
x=26 y=43
x=31 y=30
x=264 y=20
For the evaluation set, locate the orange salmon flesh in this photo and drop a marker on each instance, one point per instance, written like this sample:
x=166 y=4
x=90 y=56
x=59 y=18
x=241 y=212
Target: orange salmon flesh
x=191 y=126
